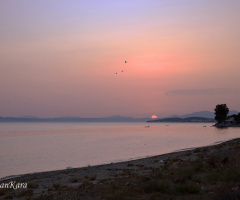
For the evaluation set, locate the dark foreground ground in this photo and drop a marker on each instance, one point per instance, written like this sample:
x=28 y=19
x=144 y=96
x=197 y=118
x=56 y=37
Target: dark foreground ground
x=211 y=172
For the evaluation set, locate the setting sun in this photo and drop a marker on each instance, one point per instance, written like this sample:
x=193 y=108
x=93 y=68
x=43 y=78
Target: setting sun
x=154 y=116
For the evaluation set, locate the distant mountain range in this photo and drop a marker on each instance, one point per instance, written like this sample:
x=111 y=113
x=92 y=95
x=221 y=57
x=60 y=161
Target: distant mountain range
x=73 y=119
x=187 y=119
x=201 y=116
x=205 y=113
x=196 y=116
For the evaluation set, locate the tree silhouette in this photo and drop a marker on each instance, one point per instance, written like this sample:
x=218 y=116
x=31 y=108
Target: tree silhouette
x=221 y=112
x=237 y=117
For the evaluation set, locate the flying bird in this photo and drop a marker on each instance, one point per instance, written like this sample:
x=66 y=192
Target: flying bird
x=122 y=70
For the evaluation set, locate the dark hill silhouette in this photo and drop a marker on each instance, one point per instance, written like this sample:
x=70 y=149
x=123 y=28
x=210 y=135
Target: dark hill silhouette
x=196 y=116
x=73 y=119
x=205 y=113
x=187 y=119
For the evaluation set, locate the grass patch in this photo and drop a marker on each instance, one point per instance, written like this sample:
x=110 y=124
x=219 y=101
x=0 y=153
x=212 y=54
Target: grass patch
x=158 y=196
x=155 y=186
x=131 y=192
x=73 y=180
x=3 y=191
x=159 y=175
x=145 y=178
x=9 y=196
x=93 y=178
x=45 y=197
x=219 y=146
x=32 y=185
x=185 y=173
x=226 y=174
x=24 y=193
x=104 y=180
x=115 y=197
x=199 y=166
x=115 y=175
x=187 y=188
x=86 y=185
x=57 y=186
x=197 y=150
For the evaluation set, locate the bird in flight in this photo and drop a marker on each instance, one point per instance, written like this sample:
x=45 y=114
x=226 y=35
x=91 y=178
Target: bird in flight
x=122 y=70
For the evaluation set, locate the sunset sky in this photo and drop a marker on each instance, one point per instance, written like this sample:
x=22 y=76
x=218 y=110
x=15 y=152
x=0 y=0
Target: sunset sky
x=60 y=57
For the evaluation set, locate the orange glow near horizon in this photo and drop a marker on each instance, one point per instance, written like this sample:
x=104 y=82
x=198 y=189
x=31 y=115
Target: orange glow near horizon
x=154 y=116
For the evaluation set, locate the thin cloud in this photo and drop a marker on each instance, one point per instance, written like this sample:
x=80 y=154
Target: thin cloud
x=209 y=91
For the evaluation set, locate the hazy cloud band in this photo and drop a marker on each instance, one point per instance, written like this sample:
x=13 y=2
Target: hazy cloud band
x=209 y=91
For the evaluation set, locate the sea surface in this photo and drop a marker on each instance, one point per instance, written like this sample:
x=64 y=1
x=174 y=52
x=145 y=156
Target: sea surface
x=37 y=147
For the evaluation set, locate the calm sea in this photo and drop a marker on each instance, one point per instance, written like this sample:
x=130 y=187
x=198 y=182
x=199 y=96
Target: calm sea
x=36 y=147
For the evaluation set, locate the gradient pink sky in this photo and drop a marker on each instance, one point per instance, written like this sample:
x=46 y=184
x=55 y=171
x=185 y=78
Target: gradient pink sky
x=60 y=57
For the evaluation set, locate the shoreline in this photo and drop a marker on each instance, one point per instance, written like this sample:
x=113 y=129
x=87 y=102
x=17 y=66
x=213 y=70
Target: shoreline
x=44 y=184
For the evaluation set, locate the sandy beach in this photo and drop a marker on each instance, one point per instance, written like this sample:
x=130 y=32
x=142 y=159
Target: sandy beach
x=211 y=172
